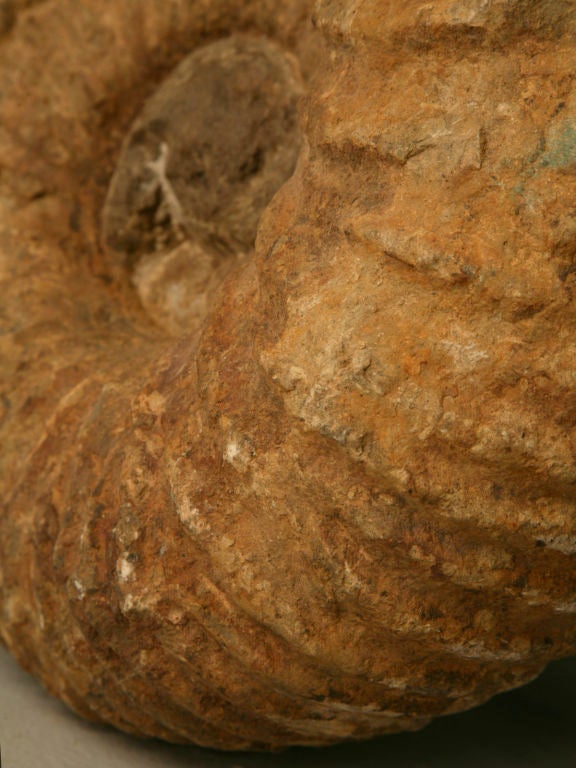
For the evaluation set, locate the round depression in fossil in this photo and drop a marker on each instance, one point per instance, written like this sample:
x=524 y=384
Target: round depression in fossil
x=199 y=165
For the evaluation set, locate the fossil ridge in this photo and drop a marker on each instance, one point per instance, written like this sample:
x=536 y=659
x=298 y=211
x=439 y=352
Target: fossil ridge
x=344 y=502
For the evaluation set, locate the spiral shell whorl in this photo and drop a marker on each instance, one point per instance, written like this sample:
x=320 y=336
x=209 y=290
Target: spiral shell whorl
x=347 y=505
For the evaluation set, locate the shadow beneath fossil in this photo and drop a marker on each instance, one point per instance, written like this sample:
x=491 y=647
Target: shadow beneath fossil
x=532 y=727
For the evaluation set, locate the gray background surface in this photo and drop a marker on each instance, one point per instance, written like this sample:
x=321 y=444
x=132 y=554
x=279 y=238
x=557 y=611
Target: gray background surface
x=533 y=727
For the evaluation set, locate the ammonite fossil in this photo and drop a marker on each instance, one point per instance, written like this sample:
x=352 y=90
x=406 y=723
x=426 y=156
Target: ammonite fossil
x=288 y=381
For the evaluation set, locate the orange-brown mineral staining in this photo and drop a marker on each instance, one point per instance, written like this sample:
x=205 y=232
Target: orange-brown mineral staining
x=288 y=359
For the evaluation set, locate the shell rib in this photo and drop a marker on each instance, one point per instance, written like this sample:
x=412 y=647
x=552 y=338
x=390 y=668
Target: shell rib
x=345 y=502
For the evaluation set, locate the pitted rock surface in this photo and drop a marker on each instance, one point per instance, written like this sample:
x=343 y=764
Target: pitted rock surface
x=336 y=497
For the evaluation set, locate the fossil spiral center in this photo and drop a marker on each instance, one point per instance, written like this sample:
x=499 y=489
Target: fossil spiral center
x=201 y=162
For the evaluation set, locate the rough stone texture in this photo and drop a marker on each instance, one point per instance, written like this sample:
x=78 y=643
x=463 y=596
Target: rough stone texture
x=346 y=503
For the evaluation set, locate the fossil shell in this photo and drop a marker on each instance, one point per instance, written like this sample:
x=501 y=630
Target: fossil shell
x=338 y=500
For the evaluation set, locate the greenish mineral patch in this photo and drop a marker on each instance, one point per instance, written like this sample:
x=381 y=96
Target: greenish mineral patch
x=561 y=151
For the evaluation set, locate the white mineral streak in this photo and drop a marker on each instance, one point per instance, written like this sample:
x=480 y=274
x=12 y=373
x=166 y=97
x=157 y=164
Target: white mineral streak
x=124 y=567
x=191 y=517
x=159 y=169
x=238 y=452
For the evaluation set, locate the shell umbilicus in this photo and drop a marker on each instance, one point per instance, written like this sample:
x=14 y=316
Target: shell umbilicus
x=288 y=428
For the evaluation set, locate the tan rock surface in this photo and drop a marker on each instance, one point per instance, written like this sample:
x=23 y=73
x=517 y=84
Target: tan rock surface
x=346 y=502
